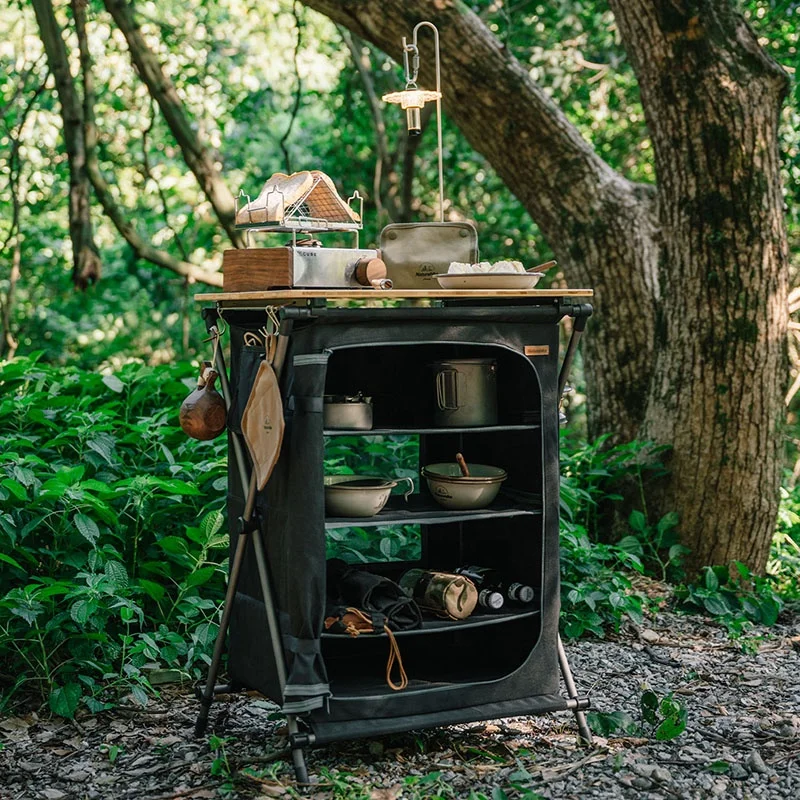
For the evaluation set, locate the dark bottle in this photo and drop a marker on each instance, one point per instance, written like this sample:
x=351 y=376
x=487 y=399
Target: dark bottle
x=492 y=579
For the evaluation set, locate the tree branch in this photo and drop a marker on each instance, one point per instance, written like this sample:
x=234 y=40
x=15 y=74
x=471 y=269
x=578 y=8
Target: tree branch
x=196 y=155
x=384 y=163
x=140 y=247
x=85 y=258
x=148 y=175
x=507 y=117
x=8 y=343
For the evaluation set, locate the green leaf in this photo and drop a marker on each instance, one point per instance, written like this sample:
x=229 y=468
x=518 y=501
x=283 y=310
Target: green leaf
x=113 y=383
x=175 y=486
x=637 y=521
x=200 y=576
x=173 y=545
x=69 y=476
x=15 y=487
x=212 y=523
x=649 y=705
x=103 y=447
x=87 y=527
x=667 y=522
x=139 y=695
x=769 y=610
x=499 y=794
x=64 y=700
x=154 y=590
x=718 y=767
x=715 y=606
x=671 y=728
x=630 y=544
x=711 y=580
x=9 y=560
x=81 y=610
x=116 y=574
x=387 y=548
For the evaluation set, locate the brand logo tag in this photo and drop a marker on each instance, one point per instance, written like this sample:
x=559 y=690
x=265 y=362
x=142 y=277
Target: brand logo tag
x=537 y=349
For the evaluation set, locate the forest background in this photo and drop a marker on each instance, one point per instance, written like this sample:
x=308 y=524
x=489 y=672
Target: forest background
x=113 y=546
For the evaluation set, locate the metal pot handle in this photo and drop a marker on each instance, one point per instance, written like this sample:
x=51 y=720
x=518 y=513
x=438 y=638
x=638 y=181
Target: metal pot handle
x=407 y=494
x=442 y=387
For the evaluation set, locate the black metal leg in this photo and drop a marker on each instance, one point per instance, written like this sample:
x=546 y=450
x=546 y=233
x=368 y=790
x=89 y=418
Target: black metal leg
x=298 y=756
x=584 y=732
x=208 y=693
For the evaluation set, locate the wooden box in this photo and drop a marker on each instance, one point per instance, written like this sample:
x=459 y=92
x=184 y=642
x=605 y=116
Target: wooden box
x=255 y=269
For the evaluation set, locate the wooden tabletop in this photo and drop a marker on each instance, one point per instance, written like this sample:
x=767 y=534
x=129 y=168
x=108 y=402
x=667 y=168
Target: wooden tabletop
x=290 y=295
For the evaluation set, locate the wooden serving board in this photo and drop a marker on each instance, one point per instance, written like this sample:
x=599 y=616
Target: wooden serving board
x=290 y=295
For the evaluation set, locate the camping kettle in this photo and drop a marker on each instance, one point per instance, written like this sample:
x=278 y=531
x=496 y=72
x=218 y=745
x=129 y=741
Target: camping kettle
x=466 y=392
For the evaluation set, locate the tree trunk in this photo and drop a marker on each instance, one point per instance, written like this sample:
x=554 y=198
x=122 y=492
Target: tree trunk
x=712 y=99
x=85 y=259
x=687 y=344
x=196 y=155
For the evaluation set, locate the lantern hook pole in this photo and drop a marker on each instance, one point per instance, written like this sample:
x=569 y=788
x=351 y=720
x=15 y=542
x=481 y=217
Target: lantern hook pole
x=412 y=48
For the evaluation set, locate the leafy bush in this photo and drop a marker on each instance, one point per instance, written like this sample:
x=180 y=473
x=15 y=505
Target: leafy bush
x=596 y=591
x=662 y=717
x=734 y=596
x=104 y=506
x=783 y=566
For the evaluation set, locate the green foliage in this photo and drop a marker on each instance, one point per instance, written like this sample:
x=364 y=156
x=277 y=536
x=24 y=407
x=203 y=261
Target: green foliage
x=107 y=532
x=596 y=592
x=388 y=456
x=733 y=596
x=663 y=718
x=783 y=566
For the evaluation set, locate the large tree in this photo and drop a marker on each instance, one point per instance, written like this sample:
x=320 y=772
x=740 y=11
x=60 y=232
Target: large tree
x=688 y=345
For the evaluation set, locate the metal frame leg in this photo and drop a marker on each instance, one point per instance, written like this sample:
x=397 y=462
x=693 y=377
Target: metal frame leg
x=578 y=703
x=298 y=756
x=207 y=696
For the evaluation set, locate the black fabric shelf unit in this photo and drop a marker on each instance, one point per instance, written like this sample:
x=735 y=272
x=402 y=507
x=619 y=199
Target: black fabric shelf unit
x=487 y=666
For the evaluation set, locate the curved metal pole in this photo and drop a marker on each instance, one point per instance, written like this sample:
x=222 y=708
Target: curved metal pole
x=426 y=24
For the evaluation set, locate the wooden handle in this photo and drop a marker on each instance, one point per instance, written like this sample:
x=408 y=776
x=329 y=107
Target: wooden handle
x=369 y=269
x=463 y=465
x=542 y=267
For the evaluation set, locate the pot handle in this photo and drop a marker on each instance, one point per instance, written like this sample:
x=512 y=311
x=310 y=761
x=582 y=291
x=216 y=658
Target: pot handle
x=410 y=491
x=447 y=379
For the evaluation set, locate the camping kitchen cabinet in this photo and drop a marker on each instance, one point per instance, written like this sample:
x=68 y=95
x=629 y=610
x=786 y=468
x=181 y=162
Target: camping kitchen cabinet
x=490 y=665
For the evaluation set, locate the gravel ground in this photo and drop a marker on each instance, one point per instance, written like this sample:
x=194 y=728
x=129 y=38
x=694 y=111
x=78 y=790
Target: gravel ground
x=742 y=739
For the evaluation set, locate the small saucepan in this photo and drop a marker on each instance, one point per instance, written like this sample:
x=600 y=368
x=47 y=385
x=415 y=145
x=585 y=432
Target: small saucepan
x=359 y=495
x=347 y=412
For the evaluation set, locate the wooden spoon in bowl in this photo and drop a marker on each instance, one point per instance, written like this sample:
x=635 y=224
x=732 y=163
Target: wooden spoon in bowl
x=462 y=465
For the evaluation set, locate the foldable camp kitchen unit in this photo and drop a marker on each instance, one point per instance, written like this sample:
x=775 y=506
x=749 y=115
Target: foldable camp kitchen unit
x=490 y=665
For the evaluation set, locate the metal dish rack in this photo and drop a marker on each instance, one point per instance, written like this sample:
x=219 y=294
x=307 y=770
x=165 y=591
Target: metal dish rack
x=318 y=210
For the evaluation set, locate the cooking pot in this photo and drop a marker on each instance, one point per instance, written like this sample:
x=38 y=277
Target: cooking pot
x=347 y=412
x=359 y=495
x=466 y=392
